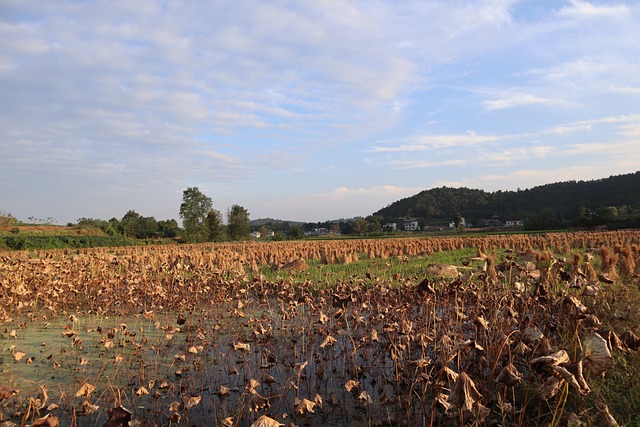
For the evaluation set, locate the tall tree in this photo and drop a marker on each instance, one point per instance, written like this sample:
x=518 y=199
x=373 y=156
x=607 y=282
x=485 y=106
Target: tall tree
x=238 y=223
x=217 y=232
x=193 y=211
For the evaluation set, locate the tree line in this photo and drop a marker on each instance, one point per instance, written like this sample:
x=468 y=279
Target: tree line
x=200 y=222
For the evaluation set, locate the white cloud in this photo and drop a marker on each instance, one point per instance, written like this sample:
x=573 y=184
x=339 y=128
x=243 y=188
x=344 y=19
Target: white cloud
x=520 y=100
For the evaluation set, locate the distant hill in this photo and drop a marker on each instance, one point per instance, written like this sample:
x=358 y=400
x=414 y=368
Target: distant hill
x=563 y=201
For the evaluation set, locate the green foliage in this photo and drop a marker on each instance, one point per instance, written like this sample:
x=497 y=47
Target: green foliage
x=59 y=242
x=238 y=224
x=295 y=233
x=217 y=230
x=193 y=211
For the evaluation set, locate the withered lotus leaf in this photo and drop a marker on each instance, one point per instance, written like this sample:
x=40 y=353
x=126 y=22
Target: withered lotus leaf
x=304 y=405
x=46 y=421
x=577 y=371
x=223 y=391
x=175 y=406
x=6 y=392
x=18 y=355
x=509 y=375
x=612 y=339
x=252 y=384
x=567 y=376
x=227 y=422
x=560 y=356
x=351 y=384
x=317 y=399
x=604 y=418
x=595 y=354
x=365 y=398
x=88 y=408
x=464 y=393
x=241 y=346
x=443 y=400
x=532 y=334
x=258 y=402
x=118 y=417
x=550 y=387
x=630 y=340
x=142 y=391
x=265 y=421
x=572 y=301
x=85 y=390
x=192 y=401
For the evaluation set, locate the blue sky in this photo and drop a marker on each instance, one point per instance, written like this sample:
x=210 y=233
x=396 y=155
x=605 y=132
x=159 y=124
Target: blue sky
x=308 y=111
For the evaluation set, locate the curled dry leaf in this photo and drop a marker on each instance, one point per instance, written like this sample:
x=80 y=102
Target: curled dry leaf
x=46 y=421
x=18 y=355
x=464 y=393
x=265 y=421
x=258 y=402
x=192 y=401
x=560 y=356
x=351 y=384
x=595 y=354
x=6 y=392
x=142 y=391
x=304 y=405
x=241 y=346
x=509 y=375
x=365 y=398
x=443 y=400
x=223 y=391
x=175 y=406
x=118 y=417
x=88 y=408
x=251 y=386
x=329 y=341
x=85 y=390
x=550 y=387
x=532 y=334
x=227 y=422
x=604 y=418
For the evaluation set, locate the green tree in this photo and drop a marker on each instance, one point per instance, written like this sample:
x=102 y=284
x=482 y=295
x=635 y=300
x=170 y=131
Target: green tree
x=457 y=221
x=360 y=225
x=238 y=224
x=217 y=231
x=295 y=233
x=193 y=211
x=130 y=224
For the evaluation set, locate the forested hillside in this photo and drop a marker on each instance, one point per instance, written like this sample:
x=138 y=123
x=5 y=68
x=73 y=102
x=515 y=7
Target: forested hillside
x=579 y=203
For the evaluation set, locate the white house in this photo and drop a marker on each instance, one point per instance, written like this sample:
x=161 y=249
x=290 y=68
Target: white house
x=513 y=222
x=411 y=225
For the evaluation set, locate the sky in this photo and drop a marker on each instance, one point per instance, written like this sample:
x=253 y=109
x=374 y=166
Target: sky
x=307 y=110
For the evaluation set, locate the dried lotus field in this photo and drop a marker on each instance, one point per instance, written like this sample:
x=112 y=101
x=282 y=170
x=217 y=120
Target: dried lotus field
x=518 y=330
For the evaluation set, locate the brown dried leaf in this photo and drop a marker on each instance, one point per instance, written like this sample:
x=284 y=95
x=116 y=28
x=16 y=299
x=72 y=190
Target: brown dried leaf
x=46 y=421
x=595 y=354
x=88 y=408
x=509 y=375
x=118 y=417
x=464 y=393
x=304 y=405
x=192 y=401
x=329 y=341
x=258 y=402
x=85 y=390
x=351 y=384
x=6 y=392
x=265 y=421
x=241 y=346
